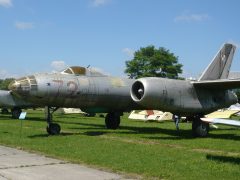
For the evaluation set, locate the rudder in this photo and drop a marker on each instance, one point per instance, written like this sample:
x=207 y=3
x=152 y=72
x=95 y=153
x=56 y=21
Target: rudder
x=220 y=65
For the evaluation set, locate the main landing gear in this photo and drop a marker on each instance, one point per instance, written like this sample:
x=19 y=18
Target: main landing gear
x=16 y=112
x=112 y=120
x=52 y=128
x=199 y=128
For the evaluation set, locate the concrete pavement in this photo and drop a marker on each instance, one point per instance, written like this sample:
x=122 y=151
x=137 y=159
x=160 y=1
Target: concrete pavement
x=21 y=165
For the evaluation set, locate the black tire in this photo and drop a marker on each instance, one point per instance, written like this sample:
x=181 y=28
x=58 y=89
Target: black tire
x=112 y=121
x=16 y=113
x=53 y=129
x=200 y=128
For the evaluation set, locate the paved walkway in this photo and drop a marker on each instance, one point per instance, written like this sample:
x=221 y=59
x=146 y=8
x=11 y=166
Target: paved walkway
x=20 y=165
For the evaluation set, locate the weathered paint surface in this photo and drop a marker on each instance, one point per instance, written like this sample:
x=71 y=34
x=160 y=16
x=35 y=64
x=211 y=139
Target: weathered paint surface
x=181 y=97
x=96 y=93
x=80 y=87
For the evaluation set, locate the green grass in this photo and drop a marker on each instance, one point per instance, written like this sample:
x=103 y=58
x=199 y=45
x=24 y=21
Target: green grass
x=149 y=150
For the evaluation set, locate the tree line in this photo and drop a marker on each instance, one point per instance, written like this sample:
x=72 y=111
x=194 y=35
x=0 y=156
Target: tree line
x=4 y=83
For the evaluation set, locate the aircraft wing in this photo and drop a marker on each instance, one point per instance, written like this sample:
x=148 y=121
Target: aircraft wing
x=222 y=121
x=221 y=84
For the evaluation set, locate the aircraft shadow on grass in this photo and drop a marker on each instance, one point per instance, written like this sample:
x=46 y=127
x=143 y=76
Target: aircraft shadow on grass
x=4 y=117
x=7 y=118
x=181 y=134
x=98 y=130
x=211 y=136
x=62 y=134
x=35 y=119
x=224 y=159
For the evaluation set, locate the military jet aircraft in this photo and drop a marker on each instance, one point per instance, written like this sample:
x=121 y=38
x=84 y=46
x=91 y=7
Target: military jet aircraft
x=75 y=87
x=79 y=87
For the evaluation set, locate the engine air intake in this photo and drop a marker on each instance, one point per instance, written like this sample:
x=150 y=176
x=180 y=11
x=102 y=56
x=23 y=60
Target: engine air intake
x=137 y=91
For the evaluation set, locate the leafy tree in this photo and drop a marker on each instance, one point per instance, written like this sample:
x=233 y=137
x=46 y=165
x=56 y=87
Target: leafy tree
x=152 y=62
x=4 y=83
x=237 y=91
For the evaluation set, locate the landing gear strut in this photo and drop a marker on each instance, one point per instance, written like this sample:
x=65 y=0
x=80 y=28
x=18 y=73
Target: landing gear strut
x=112 y=120
x=52 y=128
x=199 y=128
x=16 y=112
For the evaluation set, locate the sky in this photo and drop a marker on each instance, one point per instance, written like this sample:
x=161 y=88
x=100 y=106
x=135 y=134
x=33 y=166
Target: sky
x=49 y=35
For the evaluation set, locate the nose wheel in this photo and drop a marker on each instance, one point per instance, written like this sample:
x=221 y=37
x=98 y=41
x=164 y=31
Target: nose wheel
x=52 y=128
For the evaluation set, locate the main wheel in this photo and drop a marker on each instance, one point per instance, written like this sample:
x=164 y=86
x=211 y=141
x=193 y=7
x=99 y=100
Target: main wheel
x=112 y=121
x=53 y=129
x=200 y=128
x=16 y=113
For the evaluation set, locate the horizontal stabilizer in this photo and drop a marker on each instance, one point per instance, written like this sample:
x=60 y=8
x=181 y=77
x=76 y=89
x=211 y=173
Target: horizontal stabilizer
x=222 y=121
x=221 y=84
x=234 y=75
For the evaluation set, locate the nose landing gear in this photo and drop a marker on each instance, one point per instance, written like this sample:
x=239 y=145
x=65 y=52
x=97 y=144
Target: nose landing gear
x=52 y=128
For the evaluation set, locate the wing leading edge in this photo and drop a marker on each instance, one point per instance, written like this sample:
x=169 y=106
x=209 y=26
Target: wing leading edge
x=222 y=121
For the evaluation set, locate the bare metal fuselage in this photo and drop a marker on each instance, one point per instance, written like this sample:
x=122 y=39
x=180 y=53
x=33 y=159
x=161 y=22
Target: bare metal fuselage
x=109 y=94
x=93 y=94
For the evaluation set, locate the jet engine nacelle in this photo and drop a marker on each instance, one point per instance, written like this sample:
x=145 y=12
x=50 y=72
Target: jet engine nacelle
x=178 y=96
x=170 y=95
x=149 y=92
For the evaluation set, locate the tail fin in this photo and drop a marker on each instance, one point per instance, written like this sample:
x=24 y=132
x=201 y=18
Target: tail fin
x=220 y=65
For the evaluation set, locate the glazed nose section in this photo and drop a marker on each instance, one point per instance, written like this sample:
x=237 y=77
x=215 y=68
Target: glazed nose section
x=14 y=85
x=20 y=86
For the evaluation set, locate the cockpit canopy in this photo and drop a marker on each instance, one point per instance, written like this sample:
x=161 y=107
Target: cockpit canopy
x=82 y=71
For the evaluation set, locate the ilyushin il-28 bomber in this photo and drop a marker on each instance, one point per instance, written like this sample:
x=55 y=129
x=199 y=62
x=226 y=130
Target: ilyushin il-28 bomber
x=93 y=92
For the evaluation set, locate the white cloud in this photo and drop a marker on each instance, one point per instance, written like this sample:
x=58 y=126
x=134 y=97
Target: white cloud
x=6 y=3
x=191 y=18
x=97 y=3
x=128 y=51
x=24 y=25
x=58 y=65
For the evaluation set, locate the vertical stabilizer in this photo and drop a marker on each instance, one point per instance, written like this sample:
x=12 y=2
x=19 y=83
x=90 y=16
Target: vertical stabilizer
x=220 y=65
